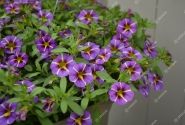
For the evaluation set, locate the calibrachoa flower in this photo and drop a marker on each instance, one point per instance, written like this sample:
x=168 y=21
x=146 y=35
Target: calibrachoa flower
x=61 y=65
x=131 y=53
x=103 y=56
x=65 y=33
x=156 y=81
x=7 y=113
x=96 y=68
x=81 y=75
x=11 y=44
x=76 y=119
x=36 y=5
x=42 y=33
x=30 y=85
x=18 y=60
x=48 y=104
x=116 y=45
x=150 y=49
x=120 y=93
x=91 y=51
x=122 y=39
x=45 y=16
x=144 y=89
x=45 y=44
x=22 y=114
x=133 y=69
x=88 y=16
x=12 y=8
x=127 y=27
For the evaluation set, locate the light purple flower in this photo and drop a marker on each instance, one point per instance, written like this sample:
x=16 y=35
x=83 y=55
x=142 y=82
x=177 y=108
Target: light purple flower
x=156 y=81
x=18 y=60
x=81 y=75
x=22 y=114
x=45 y=44
x=65 y=33
x=7 y=113
x=122 y=39
x=90 y=51
x=133 y=69
x=37 y=5
x=127 y=27
x=116 y=45
x=120 y=93
x=95 y=68
x=61 y=65
x=11 y=44
x=103 y=56
x=45 y=16
x=150 y=49
x=48 y=104
x=131 y=53
x=30 y=85
x=12 y=8
x=88 y=16
x=76 y=119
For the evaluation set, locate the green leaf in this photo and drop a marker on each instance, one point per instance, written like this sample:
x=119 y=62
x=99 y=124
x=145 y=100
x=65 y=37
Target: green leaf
x=124 y=77
x=37 y=64
x=30 y=75
x=60 y=50
x=45 y=121
x=98 y=92
x=37 y=91
x=15 y=100
x=63 y=84
x=28 y=68
x=63 y=106
x=84 y=103
x=104 y=75
x=44 y=28
x=84 y=26
x=75 y=107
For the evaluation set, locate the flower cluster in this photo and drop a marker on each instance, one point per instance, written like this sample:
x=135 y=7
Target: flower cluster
x=56 y=63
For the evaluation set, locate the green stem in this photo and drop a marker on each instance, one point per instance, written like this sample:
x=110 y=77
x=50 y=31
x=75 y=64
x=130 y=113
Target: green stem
x=55 y=7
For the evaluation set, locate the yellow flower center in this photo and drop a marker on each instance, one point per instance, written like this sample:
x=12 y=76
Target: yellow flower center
x=19 y=59
x=80 y=75
x=78 y=121
x=120 y=93
x=62 y=65
x=46 y=44
x=88 y=17
x=11 y=46
x=127 y=27
x=130 y=70
x=7 y=114
x=87 y=50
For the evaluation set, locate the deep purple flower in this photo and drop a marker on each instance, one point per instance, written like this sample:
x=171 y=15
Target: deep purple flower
x=116 y=45
x=61 y=65
x=45 y=16
x=65 y=33
x=48 y=104
x=21 y=115
x=18 y=60
x=76 y=119
x=90 y=51
x=156 y=81
x=42 y=33
x=120 y=93
x=144 y=89
x=150 y=49
x=45 y=44
x=88 y=16
x=30 y=85
x=12 y=8
x=103 y=56
x=81 y=75
x=122 y=39
x=133 y=69
x=7 y=113
x=36 y=4
x=131 y=53
x=3 y=21
x=95 y=68
x=11 y=44
x=127 y=27
x=21 y=1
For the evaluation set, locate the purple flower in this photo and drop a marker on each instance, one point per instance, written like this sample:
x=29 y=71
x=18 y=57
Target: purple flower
x=30 y=85
x=3 y=21
x=156 y=81
x=133 y=69
x=65 y=33
x=12 y=8
x=7 y=113
x=131 y=53
x=76 y=119
x=18 y=60
x=103 y=56
x=11 y=44
x=127 y=27
x=116 y=45
x=45 y=44
x=144 y=89
x=150 y=49
x=42 y=33
x=120 y=93
x=61 y=65
x=48 y=104
x=95 y=68
x=88 y=16
x=90 y=51
x=22 y=114
x=45 y=16
x=122 y=39
x=81 y=75
x=37 y=5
